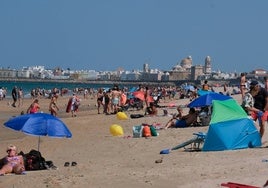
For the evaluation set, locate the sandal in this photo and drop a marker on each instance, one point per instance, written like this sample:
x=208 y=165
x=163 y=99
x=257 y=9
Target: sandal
x=66 y=164
x=74 y=163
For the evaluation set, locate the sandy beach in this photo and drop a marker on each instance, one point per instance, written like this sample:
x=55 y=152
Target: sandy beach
x=104 y=160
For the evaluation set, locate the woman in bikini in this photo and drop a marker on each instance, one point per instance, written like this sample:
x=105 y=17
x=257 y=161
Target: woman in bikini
x=53 y=108
x=100 y=96
x=12 y=163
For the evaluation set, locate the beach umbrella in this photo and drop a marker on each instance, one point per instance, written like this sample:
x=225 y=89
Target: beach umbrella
x=150 y=99
x=139 y=95
x=39 y=124
x=133 y=89
x=189 y=87
x=201 y=92
x=206 y=100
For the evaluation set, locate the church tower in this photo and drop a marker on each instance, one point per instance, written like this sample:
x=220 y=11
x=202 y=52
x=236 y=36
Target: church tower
x=146 y=67
x=207 y=65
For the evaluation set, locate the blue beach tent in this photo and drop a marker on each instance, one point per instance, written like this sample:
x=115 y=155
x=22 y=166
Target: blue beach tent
x=230 y=128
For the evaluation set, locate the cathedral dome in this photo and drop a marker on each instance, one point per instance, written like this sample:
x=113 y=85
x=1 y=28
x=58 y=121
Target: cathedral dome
x=187 y=62
x=177 y=68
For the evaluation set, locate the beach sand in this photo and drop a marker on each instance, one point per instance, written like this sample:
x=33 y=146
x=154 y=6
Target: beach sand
x=104 y=160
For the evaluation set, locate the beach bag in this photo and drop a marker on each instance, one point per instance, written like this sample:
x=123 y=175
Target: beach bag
x=34 y=161
x=137 y=131
x=153 y=131
x=146 y=131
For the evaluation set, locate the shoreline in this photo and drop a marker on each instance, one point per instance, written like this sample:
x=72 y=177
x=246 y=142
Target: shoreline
x=110 y=82
x=234 y=81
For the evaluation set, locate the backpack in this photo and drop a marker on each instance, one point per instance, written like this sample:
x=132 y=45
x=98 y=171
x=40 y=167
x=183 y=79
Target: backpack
x=34 y=161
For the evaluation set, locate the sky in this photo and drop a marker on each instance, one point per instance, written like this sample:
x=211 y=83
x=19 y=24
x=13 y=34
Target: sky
x=106 y=35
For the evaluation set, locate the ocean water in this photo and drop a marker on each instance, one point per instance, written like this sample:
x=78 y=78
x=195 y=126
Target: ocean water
x=27 y=86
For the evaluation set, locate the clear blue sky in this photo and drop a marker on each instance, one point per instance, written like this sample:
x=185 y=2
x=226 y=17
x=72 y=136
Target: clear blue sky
x=107 y=34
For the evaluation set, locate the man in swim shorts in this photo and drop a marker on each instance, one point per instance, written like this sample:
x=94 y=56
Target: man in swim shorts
x=184 y=121
x=115 y=99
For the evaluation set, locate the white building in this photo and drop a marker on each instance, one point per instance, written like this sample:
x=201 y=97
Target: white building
x=131 y=76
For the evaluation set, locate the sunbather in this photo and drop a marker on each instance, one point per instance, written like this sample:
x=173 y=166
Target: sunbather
x=151 y=110
x=183 y=121
x=12 y=163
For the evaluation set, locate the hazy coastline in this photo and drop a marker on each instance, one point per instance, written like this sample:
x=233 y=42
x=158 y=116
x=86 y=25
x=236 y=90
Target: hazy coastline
x=89 y=81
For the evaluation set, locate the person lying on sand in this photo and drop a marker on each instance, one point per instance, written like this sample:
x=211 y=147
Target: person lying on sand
x=183 y=121
x=12 y=163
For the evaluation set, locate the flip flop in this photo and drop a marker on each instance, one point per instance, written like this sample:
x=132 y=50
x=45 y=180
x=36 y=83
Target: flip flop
x=74 y=163
x=66 y=164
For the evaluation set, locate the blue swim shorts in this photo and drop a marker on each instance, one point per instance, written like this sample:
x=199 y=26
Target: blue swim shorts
x=180 y=124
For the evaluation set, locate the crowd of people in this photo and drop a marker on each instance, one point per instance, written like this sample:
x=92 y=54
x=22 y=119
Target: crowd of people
x=113 y=100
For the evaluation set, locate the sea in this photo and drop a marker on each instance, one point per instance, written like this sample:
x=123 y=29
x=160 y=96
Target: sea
x=27 y=86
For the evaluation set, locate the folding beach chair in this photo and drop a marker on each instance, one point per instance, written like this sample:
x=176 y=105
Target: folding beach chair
x=196 y=143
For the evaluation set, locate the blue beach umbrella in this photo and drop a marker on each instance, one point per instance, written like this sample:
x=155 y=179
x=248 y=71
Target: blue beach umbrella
x=203 y=92
x=206 y=100
x=39 y=124
x=189 y=87
x=133 y=89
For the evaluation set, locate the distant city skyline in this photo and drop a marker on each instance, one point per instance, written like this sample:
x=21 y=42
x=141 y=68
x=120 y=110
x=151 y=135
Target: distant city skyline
x=107 y=35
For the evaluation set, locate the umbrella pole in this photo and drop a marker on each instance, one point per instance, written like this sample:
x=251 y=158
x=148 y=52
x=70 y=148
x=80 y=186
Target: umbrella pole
x=38 y=143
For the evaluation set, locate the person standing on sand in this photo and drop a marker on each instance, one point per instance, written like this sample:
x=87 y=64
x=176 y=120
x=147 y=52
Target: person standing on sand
x=255 y=104
x=85 y=93
x=115 y=99
x=266 y=83
x=53 y=108
x=205 y=86
x=1 y=94
x=147 y=93
x=107 y=102
x=14 y=94
x=20 y=97
x=243 y=84
x=261 y=103
x=248 y=101
x=75 y=102
x=100 y=96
